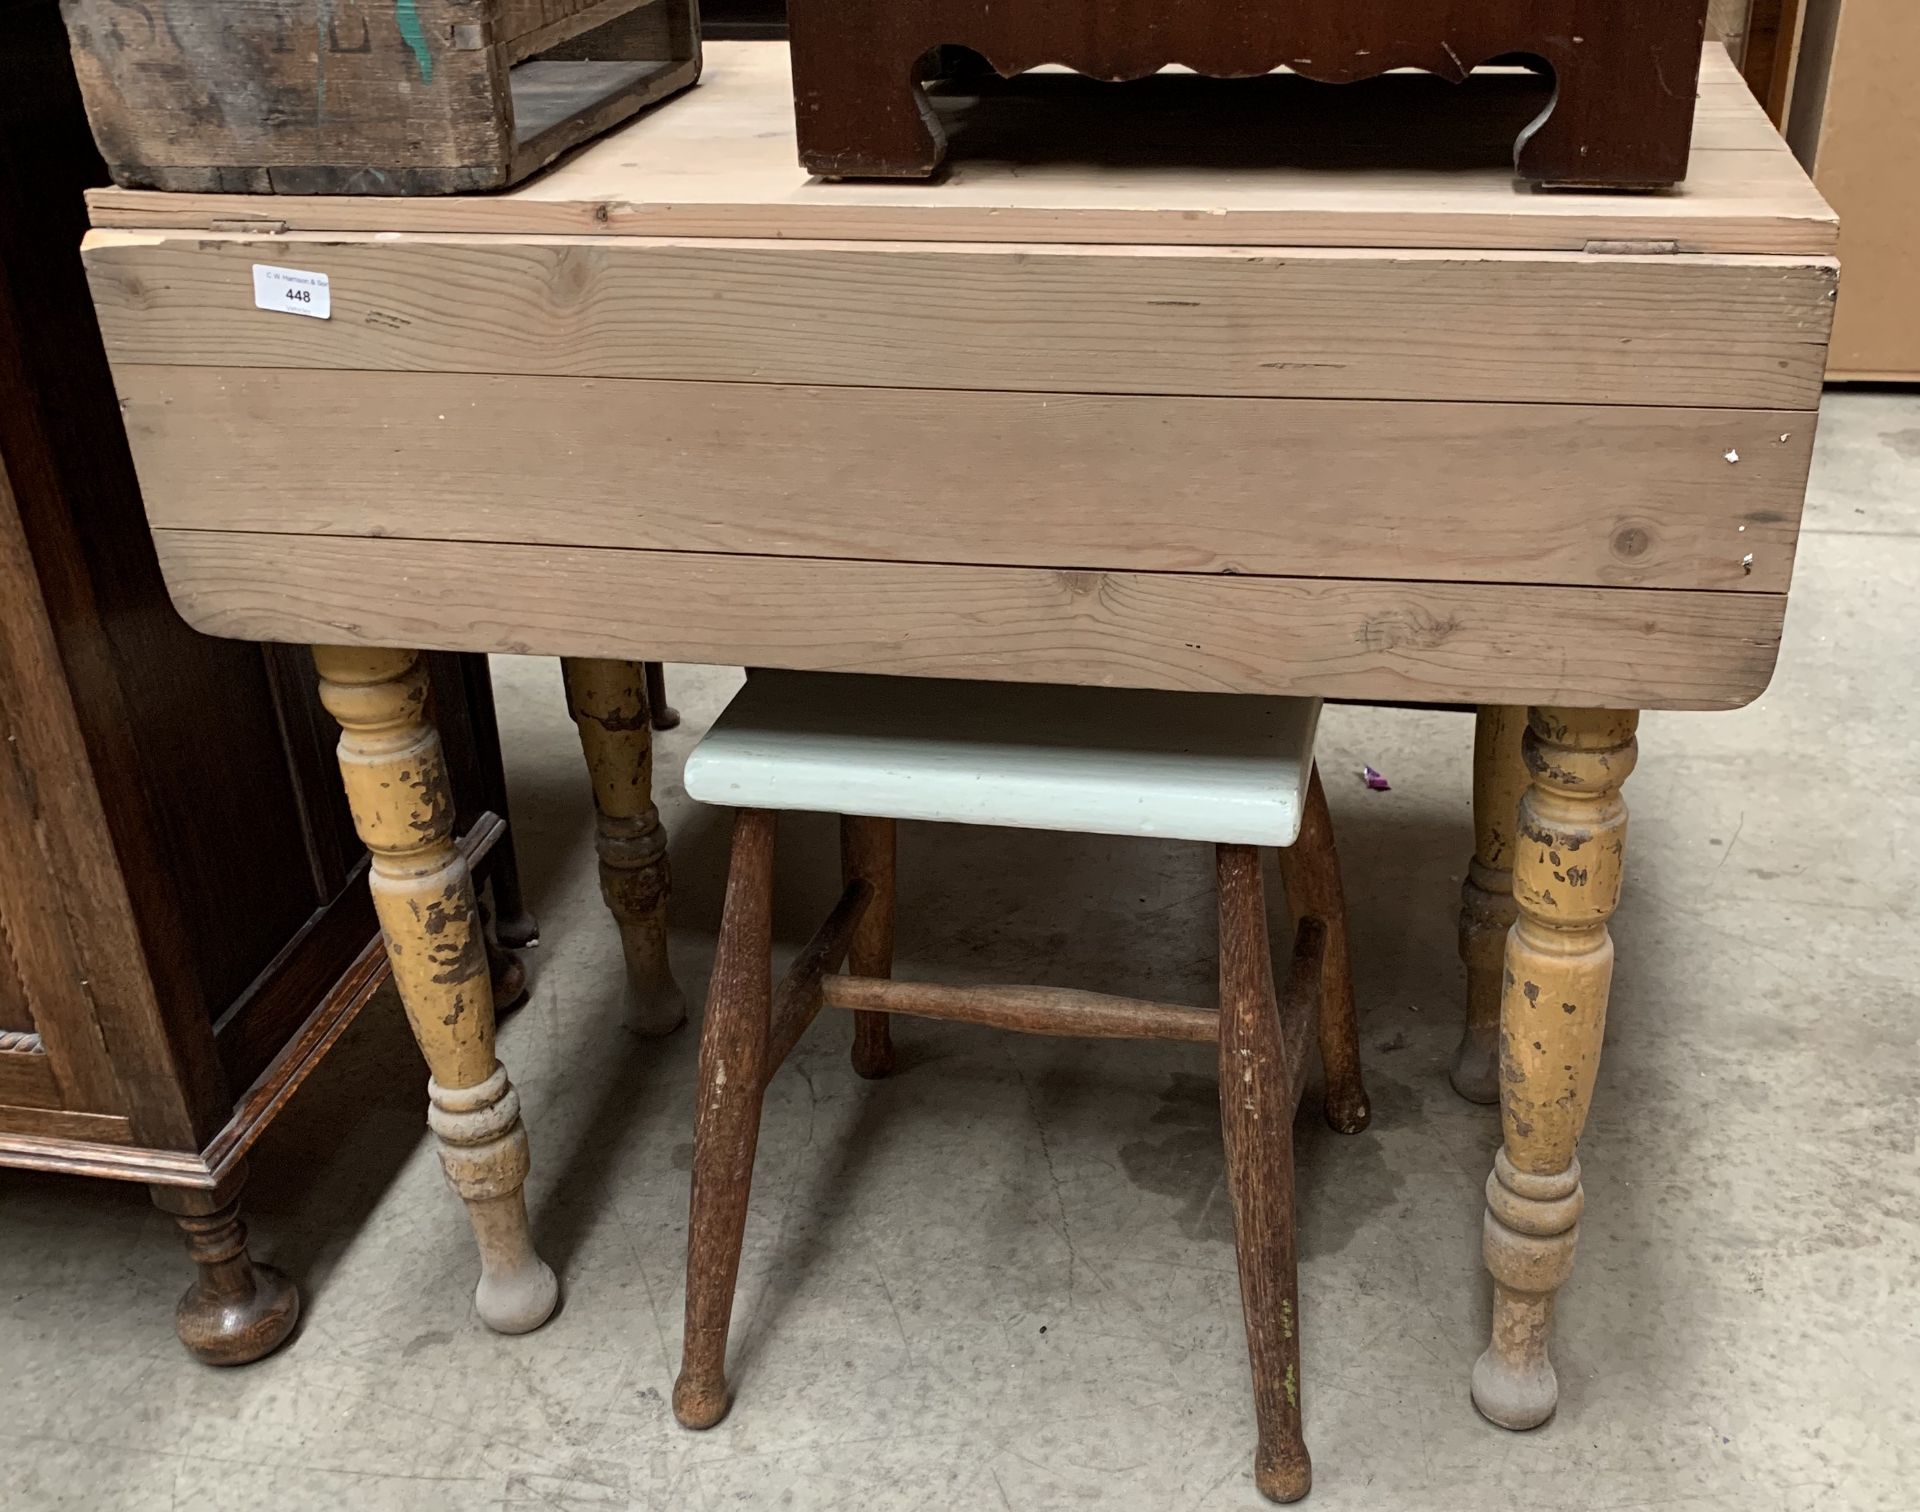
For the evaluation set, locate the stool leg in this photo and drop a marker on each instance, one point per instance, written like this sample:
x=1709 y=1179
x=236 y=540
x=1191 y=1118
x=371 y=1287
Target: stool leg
x=1310 y=868
x=1486 y=897
x=867 y=854
x=1256 y=1126
x=733 y=1055
x=608 y=701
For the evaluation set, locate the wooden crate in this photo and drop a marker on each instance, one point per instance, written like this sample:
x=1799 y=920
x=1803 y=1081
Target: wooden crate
x=367 y=96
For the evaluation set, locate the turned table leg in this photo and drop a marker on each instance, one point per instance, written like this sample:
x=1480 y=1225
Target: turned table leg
x=608 y=700
x=237 y=1310
x=397 y=785
x=1486 y=897
x=1568 y=858
x=867 y=849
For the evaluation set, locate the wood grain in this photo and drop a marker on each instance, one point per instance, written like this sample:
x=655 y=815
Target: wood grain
x=169 y=868
x=1327 y=323
x=27 y=1079
x=1486 y=896
x=797 y=1000
x=1421 y=642
x=63 y=1134
x=528 y=27
x=67 y=925
x=236 y=1310
x=360 y=96
x=869 y=853
x=1616 y=496
x=610 y=708
x=183 y=95
x=722 y=162
x=83 y=1144
x=1620 y=112
x=1027 y=1010
x=1569 y=863
x=1310 y=869
x=726 y=1131
x=395 y=776
x=1259 y=1092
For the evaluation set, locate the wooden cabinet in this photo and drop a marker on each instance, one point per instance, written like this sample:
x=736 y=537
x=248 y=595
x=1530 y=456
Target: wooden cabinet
x=184 y=921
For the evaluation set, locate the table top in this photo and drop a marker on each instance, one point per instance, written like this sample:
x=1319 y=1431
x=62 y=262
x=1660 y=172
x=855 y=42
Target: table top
x=1174 y=159
x=1119 y=400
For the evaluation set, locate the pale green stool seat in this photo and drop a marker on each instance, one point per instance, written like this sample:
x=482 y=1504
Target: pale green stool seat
x=1217 y=767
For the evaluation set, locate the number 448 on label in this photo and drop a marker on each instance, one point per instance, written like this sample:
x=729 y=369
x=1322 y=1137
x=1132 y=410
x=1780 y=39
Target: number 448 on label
x=292 y=292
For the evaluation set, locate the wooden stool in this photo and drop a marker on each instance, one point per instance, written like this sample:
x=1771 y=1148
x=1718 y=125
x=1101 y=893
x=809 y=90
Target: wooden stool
x=1233 y=771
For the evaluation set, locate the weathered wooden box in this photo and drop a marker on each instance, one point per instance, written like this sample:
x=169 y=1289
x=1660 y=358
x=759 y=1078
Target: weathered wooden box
x=367 y=96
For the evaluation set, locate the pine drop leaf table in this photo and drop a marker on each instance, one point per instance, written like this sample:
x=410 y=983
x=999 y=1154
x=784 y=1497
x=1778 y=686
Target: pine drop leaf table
x=1135 y=393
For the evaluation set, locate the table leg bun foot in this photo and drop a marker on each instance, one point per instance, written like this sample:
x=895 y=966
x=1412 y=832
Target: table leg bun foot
x=516 y=931
x=484 y=1152
x=237 y=1311
x=509 y=976
x=243 y=1321
x=1513 y=1396
x=1528 y=1238
x=1475 y=1073
x=655 y=1004
x=518 y=1299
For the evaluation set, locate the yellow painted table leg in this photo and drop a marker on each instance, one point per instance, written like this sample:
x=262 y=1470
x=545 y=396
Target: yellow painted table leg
x=1568 y=861
x=608 y=701
x=396 y=782
x=1486 y=897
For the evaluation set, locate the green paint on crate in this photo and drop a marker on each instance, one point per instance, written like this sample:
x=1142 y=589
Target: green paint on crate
x=407 y=14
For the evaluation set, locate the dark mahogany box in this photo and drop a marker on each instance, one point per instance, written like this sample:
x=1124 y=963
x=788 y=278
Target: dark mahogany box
x=1621 y=117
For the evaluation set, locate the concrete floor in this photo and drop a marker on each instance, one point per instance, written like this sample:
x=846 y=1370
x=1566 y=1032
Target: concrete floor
x=1005 y=1278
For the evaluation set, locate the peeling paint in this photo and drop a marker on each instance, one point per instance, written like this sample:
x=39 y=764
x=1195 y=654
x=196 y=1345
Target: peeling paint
x=406 y=14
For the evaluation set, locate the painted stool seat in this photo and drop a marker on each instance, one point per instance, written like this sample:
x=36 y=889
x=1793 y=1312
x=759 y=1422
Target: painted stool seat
x=1235 y=772
x=1215 y=767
